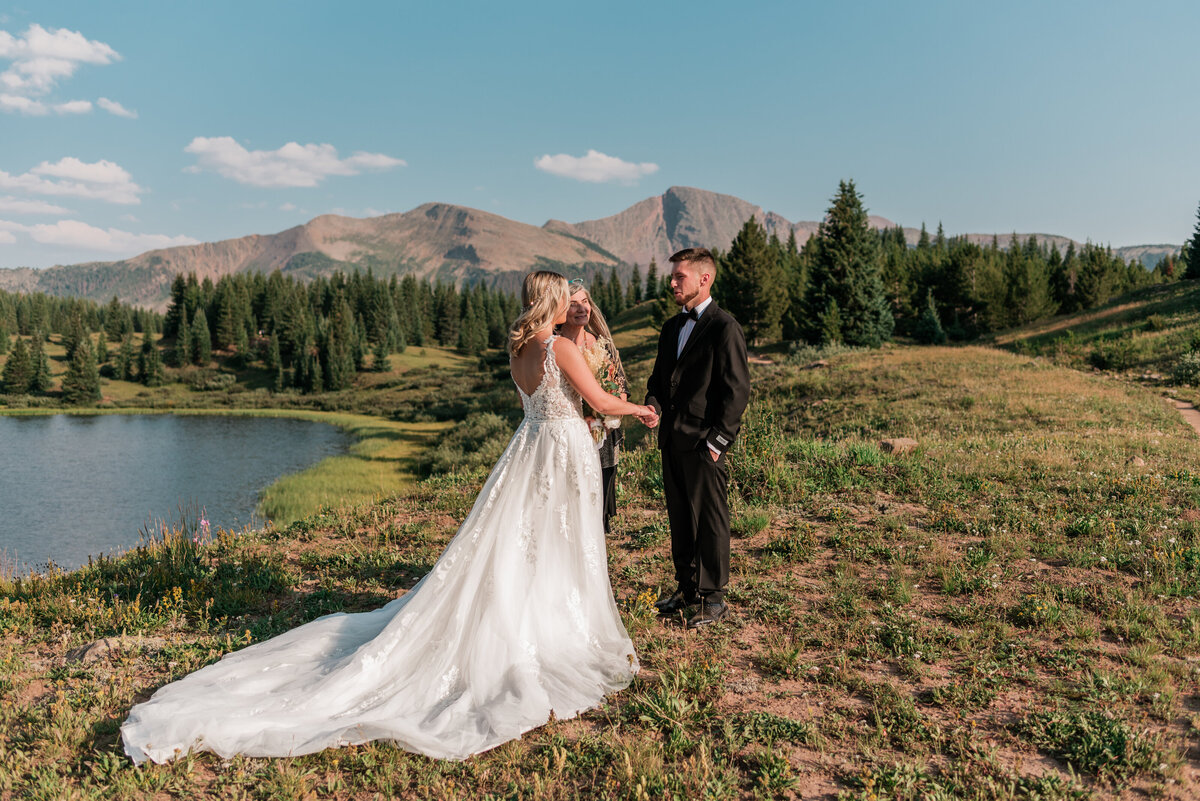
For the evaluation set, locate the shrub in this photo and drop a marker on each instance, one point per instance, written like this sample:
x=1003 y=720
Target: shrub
x=210 y=381
x=1094 y=741
x=1116 y=354
x=1187 y=369
x=476 y=442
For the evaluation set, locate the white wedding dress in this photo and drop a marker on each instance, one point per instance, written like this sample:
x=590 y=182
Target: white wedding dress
x=515 y=622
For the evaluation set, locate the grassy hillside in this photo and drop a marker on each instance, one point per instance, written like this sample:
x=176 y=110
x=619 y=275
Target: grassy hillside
x=1009 y=612
x=1144 y=332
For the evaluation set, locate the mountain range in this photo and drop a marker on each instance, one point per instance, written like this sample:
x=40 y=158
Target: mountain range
x=446 y=242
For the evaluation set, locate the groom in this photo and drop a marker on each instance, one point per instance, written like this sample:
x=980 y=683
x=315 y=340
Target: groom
x=699 y=386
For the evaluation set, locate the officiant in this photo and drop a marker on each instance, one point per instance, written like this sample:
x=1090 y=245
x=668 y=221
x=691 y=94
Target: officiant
x=587 y=328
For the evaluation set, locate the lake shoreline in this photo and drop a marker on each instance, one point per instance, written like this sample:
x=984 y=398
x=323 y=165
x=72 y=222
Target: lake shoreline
x=379 y=460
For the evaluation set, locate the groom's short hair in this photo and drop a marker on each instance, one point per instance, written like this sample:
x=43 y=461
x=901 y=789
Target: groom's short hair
x=701 y=257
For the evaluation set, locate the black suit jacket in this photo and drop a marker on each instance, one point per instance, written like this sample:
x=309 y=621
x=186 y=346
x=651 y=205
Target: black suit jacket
x=702 y=393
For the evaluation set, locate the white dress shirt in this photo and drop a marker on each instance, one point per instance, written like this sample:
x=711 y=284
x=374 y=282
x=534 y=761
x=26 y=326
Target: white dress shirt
x=688 y=325
x=684 y=333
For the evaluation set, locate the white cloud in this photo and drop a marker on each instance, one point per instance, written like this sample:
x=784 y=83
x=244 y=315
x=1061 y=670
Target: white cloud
x=22 y=105
x=82 y=236
x=42 y=58
x=14 y=205
x=7 y=238
x=293 y=165
x=288 y=207
x=70 y=177
x=113 y=107
x=595 y=167
x=74 y=107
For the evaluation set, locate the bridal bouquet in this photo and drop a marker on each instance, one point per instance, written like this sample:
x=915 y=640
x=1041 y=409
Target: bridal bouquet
x=600 y=362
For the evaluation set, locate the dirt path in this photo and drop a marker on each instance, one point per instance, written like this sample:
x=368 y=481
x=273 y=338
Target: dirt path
x=1190 y=413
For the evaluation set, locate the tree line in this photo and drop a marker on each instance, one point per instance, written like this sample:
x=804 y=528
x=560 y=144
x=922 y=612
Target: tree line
x=316 y=336
x=28 y=320
x=852 y=284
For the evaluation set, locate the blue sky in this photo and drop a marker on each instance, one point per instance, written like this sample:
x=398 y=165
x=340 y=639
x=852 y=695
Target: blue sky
x=131 y=125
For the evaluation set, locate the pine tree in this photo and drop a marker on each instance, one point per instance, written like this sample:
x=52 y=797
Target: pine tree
x=652 y=285
x=616 y=294
x=929 y=329
x=81 y=384
x=39 y=363
x=795 y=278
x=472 y=335
x=101 y=349
x=241 y=339
x=497 y=325
x=830 y=324
x=846 y=268
x=750 y=283
x=183 y=340
x=4 y=343
x=176 y=309
x=313 y=382
x=379 y=356
x=126 y=359
x=150 y=370
x=18 y=370
x=1192 y=265
x=114 y=320
x=633 y=293
x=74 y=334
x=227 y=322
x=447 y=315
x=274 y=361
x=360 y=347
x=1027 y=292
x=201 y=339
x=337 y=356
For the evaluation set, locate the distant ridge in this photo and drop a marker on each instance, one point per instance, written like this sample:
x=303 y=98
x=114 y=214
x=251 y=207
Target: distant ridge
x=442 y=241
x=439 y=241
x=685 y=217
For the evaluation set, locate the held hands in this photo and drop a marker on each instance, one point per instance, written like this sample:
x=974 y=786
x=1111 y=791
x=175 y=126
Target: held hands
x=647 y=416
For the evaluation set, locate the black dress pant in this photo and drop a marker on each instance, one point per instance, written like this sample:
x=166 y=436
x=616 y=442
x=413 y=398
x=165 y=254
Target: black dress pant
x=696 y=490
x=608 y=476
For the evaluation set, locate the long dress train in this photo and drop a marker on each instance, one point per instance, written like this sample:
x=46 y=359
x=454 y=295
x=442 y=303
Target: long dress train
x=515 y=621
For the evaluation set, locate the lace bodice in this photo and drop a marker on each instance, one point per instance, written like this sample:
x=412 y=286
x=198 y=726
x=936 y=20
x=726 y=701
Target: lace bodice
x=554 y=398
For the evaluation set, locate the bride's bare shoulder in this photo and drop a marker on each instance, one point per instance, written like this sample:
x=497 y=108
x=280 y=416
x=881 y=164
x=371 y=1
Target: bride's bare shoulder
x=562 y=345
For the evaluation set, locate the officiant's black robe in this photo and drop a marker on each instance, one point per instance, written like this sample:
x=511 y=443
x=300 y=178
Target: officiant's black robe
x=700 y=395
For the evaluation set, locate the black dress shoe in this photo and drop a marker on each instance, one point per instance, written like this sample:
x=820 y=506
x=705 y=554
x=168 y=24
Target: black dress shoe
x=676 y=602
x=708 y=614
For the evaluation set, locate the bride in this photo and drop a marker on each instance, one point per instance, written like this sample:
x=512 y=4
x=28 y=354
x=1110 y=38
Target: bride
x=516 y=622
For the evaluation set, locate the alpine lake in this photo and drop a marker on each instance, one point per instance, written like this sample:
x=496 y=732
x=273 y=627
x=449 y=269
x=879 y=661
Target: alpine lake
x=75 y=486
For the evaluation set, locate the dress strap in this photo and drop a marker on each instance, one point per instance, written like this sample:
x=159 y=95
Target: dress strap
x=551 y=360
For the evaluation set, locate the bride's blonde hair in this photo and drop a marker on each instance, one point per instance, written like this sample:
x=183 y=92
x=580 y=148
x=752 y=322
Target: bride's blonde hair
x=543 y=296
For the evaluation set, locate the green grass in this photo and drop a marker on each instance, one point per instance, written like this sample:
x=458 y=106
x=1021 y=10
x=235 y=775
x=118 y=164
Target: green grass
x=381 y=462
x=1143 y=332
x=1009 y=612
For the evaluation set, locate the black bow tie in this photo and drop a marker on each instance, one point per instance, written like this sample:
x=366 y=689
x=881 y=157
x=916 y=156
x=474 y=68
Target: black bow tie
x=691 y=314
